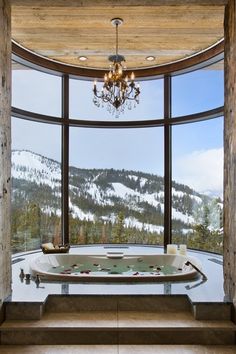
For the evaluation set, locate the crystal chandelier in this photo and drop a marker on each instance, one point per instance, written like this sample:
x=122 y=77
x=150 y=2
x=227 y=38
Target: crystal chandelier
x=118 y=90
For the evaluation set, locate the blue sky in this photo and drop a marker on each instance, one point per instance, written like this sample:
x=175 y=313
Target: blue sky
x=137 y=149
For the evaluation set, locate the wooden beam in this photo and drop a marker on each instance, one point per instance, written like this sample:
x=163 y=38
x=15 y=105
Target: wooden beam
x=230 y=153
x=114 y=3
x=5 y=149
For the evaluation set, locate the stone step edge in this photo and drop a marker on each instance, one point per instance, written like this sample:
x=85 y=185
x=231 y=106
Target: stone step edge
x=209 y=337
x=127 y=319
x=120 y=328
x=126 y=348
x=35 y=310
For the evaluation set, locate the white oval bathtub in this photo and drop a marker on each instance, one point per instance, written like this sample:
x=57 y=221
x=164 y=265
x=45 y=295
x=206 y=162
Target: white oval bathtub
x=115 y=266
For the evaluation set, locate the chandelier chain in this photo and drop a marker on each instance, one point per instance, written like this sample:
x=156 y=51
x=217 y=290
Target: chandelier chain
x=116 y=39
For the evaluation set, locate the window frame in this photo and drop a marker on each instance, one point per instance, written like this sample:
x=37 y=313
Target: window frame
x=167 y=122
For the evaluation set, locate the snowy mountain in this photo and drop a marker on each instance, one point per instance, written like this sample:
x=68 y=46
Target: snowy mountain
x=102 y=194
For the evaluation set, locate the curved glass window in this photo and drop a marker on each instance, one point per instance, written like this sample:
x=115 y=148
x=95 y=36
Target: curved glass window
x=116 y=186
x=36 y=91
x=198 y=91
x=116 y=176
x=150 y=106
x=36 y=185
x=197 y=188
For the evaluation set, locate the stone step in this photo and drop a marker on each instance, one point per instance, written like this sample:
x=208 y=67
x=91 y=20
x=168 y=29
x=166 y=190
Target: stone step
x=114 y=349
x=20 y=310
x=77 y=303
x=155 y=303
x=117 y=327
x=212 y=310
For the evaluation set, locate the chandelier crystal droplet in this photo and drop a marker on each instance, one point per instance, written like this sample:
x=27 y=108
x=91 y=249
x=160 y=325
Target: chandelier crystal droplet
x=119 y=91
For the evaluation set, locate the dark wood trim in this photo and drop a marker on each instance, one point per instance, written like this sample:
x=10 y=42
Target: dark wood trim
x=65 y=161
x=205 y=58
x=196 y=117
x=114 y=3
x=167 y=163
x=37 y=117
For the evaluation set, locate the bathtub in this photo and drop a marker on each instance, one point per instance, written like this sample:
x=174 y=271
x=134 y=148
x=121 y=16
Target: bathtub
x=114 y=266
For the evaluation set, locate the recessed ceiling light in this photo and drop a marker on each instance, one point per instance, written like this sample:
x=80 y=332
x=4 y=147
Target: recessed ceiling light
x=150 y=58
x=82 y=58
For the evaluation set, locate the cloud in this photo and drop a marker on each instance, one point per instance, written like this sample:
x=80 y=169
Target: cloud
x=202 y=170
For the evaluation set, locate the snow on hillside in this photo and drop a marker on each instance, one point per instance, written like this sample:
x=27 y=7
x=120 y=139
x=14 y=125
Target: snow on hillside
x=35 y=168
x=124 y=192
x=78 y=213
x=132 y=222
x=97 y=194
x=181 y=194
x=180 y=216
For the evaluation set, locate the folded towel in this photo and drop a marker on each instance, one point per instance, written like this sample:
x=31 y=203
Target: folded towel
x=48 y=246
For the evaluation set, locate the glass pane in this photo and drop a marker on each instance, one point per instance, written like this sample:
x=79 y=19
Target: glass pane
x=36 y=184
x=35 y=91
x=197 y=193
x=198 y=91
x=116 y=186
x=82 y=106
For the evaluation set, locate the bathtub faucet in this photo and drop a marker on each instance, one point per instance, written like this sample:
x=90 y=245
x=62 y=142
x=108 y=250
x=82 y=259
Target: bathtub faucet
x=197 y=269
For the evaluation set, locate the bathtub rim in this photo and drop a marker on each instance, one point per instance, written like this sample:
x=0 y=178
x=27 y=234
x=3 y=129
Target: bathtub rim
x=192 y=274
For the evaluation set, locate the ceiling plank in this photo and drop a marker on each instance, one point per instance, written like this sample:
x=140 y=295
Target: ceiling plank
x=64 y=33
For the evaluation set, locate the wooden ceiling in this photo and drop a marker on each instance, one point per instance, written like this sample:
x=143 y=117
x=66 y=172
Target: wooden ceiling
x=66 y=30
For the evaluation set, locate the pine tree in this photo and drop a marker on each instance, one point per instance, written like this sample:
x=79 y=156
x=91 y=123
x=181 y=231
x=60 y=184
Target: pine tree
x=104 y=238
x=81 y=238
x=118 y=229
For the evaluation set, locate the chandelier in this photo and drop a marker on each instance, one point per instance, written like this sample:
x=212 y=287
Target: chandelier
x=118 y=90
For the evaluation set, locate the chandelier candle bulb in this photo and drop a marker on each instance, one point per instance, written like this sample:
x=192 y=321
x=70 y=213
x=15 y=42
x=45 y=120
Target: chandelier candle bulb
x=171 y=249
x=132 y=77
